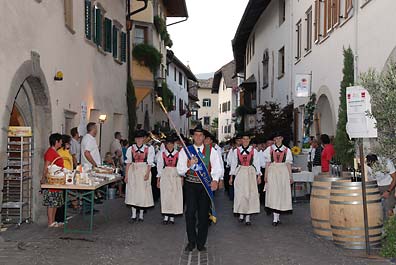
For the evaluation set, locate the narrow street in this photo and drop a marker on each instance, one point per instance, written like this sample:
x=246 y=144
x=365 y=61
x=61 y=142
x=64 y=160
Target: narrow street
x=119 y=242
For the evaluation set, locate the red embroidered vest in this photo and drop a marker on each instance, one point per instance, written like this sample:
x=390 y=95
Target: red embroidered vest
x=170 y=161
x=138 y=157
x=278 y=157
x=245 y=160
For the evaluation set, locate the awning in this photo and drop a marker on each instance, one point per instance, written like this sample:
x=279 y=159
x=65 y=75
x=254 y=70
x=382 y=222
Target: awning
x=142 y=93
x=250 y=83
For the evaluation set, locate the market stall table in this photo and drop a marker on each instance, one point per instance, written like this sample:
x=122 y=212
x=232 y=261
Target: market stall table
x=83 y=192
x=303 y=176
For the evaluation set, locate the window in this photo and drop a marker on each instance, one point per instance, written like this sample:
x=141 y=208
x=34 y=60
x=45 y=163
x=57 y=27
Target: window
x=317 y=20
x=107 y=33
x=228 y=105
x=282 y=11
x=336 y=12
x=298 y=39
x=348 y=7
x=115 y=41
x=308 y=21
x=98 y=19
x=224 y=107
x=140 y=35
x=194 y=115
x=281 y=62
x=206 y=102
x=180 y=78
x=206 y=120
x=175 y=73
x=229 y=128
x=265 y=69
x=68 y=5
x=220 y=108
x=174 y=103
x=88 y=24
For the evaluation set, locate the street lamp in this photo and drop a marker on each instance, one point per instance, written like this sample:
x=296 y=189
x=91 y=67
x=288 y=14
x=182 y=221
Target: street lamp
x=102 y=119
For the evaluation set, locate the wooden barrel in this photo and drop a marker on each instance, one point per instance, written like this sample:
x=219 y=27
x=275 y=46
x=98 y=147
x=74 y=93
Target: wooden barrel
x=346 y=214
x=319 y=204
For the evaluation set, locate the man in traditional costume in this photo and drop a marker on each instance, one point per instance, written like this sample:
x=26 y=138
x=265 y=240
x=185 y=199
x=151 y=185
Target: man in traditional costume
x=197 y=194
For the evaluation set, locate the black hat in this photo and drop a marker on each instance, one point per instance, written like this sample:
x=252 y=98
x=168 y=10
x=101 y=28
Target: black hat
x=140 y=133
x=170 y=138
x=276 y=133
x=246 y=133
x=198 y=128
x=238 y=136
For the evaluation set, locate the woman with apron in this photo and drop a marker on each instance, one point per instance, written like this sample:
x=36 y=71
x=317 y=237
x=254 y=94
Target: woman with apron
x=140 y=158
x=245 y=174
x=169 y=182
x=278 y=178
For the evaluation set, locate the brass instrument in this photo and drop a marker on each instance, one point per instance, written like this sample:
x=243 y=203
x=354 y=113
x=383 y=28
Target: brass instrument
x=151 y=139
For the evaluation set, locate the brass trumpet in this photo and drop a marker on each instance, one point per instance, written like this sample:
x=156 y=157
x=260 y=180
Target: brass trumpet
x=151 y=138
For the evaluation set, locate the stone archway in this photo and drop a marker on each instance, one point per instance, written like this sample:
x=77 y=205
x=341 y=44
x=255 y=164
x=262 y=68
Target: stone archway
x=324 y=116
x=29 y=92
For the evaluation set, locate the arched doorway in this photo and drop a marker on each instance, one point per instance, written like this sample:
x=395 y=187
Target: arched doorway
x=324 y=122
x=28 y=104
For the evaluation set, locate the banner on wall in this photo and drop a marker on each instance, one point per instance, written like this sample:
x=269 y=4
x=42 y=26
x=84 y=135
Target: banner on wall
x=303 y=85
x=82 y=128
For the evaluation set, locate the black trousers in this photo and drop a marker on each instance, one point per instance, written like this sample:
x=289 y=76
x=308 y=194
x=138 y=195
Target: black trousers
x=198 y=205
x=261 y=187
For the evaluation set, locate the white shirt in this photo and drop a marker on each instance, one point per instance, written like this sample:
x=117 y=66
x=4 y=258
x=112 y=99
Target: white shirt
x=215 y=163
x=234 y=160
x=311 y=154
x=229 y=157
x=267 y=154
x=382 y=178
x=150 y=154
x=115 y=146
x=160 y=160
x=75 y=149
x=219 y=152
x=88 y=143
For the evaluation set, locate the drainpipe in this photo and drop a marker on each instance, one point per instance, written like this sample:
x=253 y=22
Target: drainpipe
x=177 y=22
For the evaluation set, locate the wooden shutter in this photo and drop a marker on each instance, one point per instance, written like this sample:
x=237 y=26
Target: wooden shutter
x=317 y=20
x=68 y=6
x=123 y=46
x=98 y=26
x=115 y=42
x=108 y=25
x=88 y=26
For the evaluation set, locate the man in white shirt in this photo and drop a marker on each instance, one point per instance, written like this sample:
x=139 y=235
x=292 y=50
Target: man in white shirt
x=75 y=147
x=116 y=148
x=386 y=181
x=89 y=148
x=197 y=199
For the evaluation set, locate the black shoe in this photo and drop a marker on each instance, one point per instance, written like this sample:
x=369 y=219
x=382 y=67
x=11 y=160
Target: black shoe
x=279 y=222
x=172 y=222
x=274 y=223
x=165 y=222
x=241 y=220
x=201 y=248
x=248 y=223
x=132 y=220
x=190 y=247
x=140 y=219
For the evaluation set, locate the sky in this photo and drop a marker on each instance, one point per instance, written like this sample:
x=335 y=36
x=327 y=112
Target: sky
x=204 y=40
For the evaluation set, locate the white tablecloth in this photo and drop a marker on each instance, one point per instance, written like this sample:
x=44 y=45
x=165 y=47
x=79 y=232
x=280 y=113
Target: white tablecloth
x=303 y=176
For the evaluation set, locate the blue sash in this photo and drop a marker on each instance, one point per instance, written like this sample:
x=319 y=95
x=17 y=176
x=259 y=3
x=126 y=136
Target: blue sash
x=204 y=176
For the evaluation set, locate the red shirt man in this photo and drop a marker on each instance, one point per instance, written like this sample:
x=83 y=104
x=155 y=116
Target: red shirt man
x=327 y=153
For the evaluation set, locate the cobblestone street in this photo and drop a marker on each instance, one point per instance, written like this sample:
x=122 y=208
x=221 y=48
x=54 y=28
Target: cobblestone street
x=119 y=242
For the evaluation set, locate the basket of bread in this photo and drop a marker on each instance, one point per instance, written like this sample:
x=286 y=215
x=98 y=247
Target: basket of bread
x=56 y=175
x=103 y=170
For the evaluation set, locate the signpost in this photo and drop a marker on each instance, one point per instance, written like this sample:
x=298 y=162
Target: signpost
x=359 y=126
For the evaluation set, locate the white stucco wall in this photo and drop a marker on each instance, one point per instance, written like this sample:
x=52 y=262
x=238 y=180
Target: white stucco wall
x=225 y=118
x=180 y=91
x=212 y=111
x=89 y=75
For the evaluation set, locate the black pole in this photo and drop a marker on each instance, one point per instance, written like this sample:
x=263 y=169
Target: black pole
x=365 y=214
x=100 y=136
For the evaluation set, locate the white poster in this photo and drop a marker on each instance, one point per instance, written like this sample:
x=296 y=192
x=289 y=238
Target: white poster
x=359 y=125
x=82 y=128
x=303 y=85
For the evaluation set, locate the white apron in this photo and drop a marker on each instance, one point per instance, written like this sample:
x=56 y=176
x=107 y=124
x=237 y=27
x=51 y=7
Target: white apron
x=246 y=199
x=138 y=192
x=278 y=191
x=171 y=192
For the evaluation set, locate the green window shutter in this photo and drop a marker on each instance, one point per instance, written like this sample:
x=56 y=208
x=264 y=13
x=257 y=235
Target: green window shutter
x=98 y=26
x=108 y=25
x=123 y=46
x=88 y=27
x=115 y=42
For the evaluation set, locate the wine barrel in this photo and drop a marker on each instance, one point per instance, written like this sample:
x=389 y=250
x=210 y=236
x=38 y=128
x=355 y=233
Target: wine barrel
x=346 y=214
x=319 y=204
